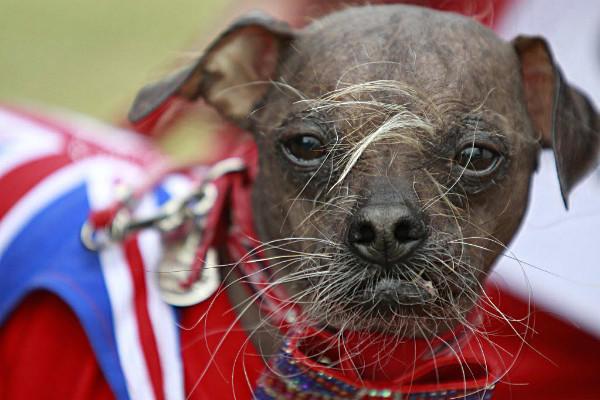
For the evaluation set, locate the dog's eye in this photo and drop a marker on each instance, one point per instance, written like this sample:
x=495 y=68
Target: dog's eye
x=478 y=160
x=306 y=150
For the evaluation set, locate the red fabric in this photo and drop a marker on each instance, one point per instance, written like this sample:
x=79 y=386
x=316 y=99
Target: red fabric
x=559 y=361
x=214 y=228
x=144 y=152
x=487 y=12
x=21 y=179
x=412 y=366
x=145 y=330
x=220 y=363
x=45 y=354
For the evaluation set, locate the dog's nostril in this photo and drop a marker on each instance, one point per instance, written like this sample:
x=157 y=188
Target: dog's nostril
x=362 y=233
x=405 y=231
x=385 y=234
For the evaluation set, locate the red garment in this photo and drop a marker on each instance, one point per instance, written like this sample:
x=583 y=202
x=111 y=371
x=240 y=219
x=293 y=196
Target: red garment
x=558 y=362
x=39 y=345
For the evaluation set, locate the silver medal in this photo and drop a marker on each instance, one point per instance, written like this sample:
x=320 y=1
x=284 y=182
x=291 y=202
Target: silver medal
x=175 y=267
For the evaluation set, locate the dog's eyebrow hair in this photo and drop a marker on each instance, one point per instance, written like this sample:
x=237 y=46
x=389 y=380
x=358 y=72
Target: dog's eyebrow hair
x=494 y=123
x=397 y=116
x=389 y=129
x=308 y=118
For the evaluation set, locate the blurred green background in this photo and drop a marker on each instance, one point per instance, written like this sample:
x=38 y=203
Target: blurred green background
x=92 y=56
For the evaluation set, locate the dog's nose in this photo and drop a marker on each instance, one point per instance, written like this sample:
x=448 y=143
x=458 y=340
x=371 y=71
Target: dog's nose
x=384 y=235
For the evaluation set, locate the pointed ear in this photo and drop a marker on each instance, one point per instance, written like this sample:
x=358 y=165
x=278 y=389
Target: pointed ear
x=232 y=74
x=563 y=117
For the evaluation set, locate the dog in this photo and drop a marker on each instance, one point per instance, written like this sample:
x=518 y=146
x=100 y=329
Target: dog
x=391 y=156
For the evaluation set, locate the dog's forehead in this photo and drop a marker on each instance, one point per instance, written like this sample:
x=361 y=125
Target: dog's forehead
x=429 y=50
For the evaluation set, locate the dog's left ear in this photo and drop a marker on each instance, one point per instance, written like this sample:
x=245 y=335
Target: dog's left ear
x=563 y=117
x=232 y=75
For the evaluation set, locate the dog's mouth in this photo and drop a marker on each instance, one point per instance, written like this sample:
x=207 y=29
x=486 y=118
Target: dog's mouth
x=404 y=298
x=385 y=294
x=401 y=292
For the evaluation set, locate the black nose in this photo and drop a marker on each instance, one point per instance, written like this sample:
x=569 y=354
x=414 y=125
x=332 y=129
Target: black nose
x=384 y=234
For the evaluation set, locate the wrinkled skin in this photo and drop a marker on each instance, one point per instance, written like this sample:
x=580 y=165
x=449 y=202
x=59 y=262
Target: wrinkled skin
x=467 y=87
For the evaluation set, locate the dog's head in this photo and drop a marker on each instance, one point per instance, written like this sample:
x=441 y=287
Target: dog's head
x=396 y=146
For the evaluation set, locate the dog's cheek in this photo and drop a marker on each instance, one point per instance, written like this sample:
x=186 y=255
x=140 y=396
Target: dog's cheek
x=279 y=208
x=517 y=195
x=497 y=216
x=269 y=199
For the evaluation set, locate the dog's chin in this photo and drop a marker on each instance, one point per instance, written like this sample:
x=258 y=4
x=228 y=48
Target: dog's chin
x=399 y=306
x=397 y=294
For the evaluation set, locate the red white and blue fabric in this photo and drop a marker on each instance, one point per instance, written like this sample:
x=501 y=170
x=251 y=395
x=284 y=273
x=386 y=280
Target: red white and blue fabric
x=51 y=177
x=82 y=324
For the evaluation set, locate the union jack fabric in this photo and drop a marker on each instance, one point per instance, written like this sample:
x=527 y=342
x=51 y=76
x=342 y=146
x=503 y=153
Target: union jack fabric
x=53 y=172
x=51 y=177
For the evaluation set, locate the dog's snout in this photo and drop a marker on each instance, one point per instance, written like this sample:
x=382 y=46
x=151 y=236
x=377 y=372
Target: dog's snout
x=385 y=234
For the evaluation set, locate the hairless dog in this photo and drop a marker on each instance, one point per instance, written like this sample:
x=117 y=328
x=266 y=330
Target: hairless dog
x=396 y=146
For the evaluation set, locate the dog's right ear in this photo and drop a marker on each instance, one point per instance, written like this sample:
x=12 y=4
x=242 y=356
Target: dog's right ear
x=564 y=117
x=232 y=75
